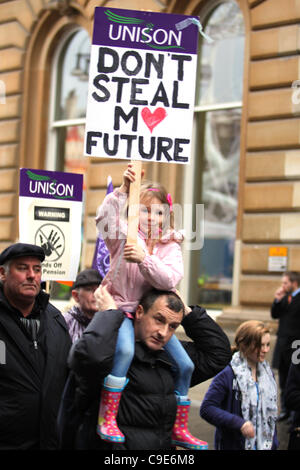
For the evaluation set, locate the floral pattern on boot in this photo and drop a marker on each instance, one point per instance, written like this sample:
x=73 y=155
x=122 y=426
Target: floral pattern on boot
x=180 y=434
x=107 y=427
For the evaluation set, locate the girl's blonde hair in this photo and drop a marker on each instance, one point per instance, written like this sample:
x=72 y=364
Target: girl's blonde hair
x=151 y=189
x=248 y=336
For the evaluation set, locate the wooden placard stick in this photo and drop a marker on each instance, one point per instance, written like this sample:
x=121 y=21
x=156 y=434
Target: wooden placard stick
x=48 y=287
x=133 y=203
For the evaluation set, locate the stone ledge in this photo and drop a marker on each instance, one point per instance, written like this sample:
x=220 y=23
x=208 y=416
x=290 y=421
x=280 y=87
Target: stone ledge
x=232 y=317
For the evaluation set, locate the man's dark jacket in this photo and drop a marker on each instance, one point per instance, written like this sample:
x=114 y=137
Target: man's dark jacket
x=288 y=314
x=148 y=404
x=292 y=391
x=32 y=377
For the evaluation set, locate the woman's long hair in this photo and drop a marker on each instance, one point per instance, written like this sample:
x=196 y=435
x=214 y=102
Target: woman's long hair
x=248 y=336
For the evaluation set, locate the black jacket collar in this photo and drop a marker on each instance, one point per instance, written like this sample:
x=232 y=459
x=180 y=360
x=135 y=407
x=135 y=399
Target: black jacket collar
x=41 y=302
x=144 y=354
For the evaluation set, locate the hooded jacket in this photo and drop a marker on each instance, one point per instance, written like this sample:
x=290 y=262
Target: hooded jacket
x=148 y=404
x=33 y=372
x=127 y=282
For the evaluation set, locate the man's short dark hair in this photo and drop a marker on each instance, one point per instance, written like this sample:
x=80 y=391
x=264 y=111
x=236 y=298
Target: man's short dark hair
x=293 y=276
x=173 y=301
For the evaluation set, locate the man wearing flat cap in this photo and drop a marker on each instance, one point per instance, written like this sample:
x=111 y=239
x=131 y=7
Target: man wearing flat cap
x=36 y=343
x=79 y=316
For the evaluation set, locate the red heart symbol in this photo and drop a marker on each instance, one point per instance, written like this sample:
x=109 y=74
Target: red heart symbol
x=152 y=119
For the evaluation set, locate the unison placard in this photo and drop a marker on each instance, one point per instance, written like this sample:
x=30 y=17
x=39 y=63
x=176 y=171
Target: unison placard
x=50 y=213
x=141 y=86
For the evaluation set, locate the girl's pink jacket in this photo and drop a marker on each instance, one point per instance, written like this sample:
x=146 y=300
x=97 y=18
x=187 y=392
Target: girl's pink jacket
x=127 y=282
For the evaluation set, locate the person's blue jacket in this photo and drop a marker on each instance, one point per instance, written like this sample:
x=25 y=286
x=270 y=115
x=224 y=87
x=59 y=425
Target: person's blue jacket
x=221 y=407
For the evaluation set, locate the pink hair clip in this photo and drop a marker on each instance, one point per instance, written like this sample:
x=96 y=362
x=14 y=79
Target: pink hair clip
x=169 y=198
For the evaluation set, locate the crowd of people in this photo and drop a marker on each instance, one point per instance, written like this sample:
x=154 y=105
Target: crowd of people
x=110 y=373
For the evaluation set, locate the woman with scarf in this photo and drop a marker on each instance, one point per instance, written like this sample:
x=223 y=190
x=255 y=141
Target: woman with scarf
x=242 y=399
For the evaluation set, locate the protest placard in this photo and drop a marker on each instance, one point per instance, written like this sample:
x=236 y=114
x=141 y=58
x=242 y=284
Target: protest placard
x=50 y=213
x=141 y=86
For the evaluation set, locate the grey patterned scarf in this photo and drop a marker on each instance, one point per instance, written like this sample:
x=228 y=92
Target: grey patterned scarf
x=259 y=401
x=76 y=313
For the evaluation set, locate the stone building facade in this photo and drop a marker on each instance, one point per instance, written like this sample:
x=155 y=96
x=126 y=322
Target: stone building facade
x=268 y=201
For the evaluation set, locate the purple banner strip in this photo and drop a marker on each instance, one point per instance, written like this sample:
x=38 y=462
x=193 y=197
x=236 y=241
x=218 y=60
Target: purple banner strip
x=51 y=184
x=145 y=30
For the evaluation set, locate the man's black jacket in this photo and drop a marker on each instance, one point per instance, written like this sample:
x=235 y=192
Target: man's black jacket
x=292 y=390
x=288 y=314
x=32 y=377
x=148 y=404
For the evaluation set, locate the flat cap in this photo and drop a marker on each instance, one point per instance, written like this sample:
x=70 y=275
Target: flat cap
x=87 y=277
x=19 y=250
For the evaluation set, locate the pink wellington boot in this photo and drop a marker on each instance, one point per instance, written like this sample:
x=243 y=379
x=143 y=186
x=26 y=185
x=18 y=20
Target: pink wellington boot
x=180 y=434
x=107 y=427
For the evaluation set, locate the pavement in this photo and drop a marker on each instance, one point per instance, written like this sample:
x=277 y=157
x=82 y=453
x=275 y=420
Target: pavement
x=203 y=430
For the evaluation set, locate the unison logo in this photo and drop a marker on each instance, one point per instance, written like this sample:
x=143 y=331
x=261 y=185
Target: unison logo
x=41 y=184
x=155 y=38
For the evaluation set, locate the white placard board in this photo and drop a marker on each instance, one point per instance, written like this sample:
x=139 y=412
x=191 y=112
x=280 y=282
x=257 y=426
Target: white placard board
x=50 y=214
x=141 y=86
